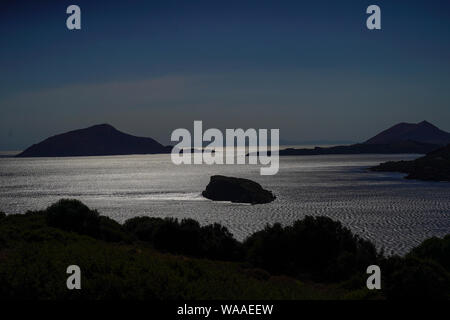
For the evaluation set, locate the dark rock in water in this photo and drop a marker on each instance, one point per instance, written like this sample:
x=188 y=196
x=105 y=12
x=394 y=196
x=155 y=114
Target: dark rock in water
x=98 y=140
x=221 y=188
x=435 y=166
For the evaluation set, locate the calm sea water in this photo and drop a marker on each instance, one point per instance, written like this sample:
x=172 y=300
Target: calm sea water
x=394 y=213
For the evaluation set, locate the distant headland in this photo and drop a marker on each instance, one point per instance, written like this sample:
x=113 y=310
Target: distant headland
x=420 y=138
x=435 y=166
x=98 y=140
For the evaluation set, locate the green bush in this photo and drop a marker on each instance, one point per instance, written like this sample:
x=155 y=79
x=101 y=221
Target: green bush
x=219 y=244
x=313 y=247
x=112 y=231
x=412 y=278
x=186 y=237
x=435 y=249
x=73 y=215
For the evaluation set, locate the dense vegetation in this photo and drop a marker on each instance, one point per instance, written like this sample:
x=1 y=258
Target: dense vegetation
x=154 y=258
x=319 y=247
x=186 y=237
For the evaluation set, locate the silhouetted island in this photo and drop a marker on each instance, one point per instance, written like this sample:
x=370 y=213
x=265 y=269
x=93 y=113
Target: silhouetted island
x=221 y=188
x=98 y=140
x=435 y=166
x=419 y=138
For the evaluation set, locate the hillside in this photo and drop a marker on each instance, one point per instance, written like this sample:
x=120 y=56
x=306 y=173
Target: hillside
x=98 y=140
x=435 y=166
x=164 y=259
x=144 y=259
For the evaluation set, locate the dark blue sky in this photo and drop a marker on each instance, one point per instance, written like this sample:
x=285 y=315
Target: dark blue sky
x=310 y=68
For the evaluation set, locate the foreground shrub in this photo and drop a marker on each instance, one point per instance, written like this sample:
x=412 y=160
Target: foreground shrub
x=412 y=278
x=186 y=237
x=435 y=249
x=317 y=247
x=73 y=215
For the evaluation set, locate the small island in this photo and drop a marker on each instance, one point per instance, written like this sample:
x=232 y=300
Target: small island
x=222 y=188
x=435 y=166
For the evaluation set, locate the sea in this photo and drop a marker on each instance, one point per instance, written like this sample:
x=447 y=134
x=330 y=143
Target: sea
x=394 y=213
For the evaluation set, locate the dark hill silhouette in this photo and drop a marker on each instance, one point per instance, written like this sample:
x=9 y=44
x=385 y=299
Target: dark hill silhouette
x=98 y=140
x=419 y=138
x=423 y=132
